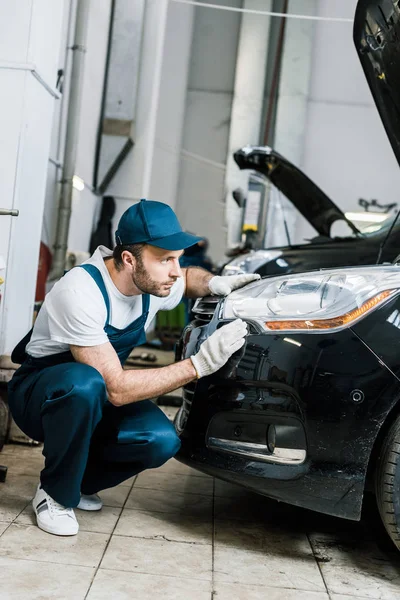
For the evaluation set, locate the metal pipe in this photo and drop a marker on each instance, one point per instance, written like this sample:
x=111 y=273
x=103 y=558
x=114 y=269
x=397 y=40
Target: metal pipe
x=32 y=68
x=11 y=212
x=103 y=98
x=71 y=139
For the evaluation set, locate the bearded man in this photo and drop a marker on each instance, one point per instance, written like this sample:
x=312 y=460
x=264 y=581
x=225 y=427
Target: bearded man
x=95 y=419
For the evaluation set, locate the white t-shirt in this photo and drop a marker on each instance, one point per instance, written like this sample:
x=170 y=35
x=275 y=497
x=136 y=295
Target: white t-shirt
x=74 y=311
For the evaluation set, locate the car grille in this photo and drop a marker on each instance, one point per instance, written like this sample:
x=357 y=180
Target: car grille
x=204 y=308
x=182 y=416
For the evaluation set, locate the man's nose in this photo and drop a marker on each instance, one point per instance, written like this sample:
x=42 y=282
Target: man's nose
x=176 y=269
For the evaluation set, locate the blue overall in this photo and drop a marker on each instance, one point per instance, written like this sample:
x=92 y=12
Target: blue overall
x=89 y=444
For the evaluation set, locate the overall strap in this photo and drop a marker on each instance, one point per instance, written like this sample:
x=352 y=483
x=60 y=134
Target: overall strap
x=95 y=273
x=145 y=303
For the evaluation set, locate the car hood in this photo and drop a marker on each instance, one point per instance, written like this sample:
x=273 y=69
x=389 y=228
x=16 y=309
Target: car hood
x=376 y=35
x=304 y=194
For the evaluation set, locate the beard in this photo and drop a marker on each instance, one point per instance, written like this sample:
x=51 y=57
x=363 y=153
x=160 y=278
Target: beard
x=147 y=285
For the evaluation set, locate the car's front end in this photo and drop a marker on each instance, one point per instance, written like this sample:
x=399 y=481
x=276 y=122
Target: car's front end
x=295 y=414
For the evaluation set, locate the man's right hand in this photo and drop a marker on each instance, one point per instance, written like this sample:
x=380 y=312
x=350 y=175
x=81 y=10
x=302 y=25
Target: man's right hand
x=219 y=347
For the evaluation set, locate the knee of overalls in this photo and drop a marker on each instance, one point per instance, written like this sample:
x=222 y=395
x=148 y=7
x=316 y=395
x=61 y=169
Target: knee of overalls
x=163 y=444
x=81 y=384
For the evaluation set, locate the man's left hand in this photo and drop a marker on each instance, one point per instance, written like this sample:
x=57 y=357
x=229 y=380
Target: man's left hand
x=222 y=286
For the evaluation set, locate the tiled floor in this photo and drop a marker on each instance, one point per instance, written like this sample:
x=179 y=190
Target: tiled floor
x=176 y=534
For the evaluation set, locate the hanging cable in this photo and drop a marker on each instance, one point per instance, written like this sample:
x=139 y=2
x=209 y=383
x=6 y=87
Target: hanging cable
x=263 y=12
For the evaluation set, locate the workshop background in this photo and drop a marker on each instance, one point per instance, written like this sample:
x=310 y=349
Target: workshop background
x=188 y=86
x=149 y=98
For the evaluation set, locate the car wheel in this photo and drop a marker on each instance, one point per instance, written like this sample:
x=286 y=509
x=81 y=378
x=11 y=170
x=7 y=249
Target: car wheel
x=387 y=482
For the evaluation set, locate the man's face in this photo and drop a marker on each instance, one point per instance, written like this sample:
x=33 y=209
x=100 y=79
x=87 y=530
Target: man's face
x=156 y=270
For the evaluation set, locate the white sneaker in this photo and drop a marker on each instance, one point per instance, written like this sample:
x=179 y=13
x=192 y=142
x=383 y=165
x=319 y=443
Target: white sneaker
x=52 y=516
x=90 y=502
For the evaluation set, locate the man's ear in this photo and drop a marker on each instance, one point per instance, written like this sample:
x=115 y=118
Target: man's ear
x=128 y=259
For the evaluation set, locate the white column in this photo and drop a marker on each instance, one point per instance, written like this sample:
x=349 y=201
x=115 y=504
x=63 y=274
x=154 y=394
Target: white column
x=172 y=102
x=134 y=177
x=30 y=32
x=247 y=103
x=151 y=169
x=291 y=117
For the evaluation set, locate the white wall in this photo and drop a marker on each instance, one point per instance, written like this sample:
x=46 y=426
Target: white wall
x=201 y=189
x=151 y=169
x=346 y=150
x=29 y=41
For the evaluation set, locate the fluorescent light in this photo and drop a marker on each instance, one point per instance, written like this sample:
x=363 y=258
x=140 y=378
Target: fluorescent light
x=370 y=217
x=290 y=341
x=78 y=183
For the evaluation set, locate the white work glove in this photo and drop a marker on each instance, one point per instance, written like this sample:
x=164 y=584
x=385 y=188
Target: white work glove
x=222 y=286
x=219 y=347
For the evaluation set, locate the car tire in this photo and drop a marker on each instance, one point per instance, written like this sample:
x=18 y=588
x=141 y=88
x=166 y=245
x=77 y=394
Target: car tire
x=387 y=482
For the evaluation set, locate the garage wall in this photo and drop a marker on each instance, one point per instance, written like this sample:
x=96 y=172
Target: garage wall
x=200 y=196
x=84 y=204
x=30 y=33
x=346 y=150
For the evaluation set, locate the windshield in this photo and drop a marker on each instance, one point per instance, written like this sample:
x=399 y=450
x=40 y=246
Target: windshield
x=378 y=228
x=290 y=227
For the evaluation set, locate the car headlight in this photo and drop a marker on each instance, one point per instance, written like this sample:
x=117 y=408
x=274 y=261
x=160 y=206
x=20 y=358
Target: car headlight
x=249 y=263
x=314 y=302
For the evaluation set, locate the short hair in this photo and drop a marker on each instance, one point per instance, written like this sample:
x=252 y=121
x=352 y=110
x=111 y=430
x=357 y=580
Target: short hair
x=135 y=249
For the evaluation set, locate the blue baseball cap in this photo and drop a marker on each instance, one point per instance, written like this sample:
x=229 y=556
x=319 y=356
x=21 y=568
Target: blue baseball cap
x=154 y=223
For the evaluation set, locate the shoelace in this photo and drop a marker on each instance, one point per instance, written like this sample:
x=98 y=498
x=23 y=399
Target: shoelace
x=58 y=509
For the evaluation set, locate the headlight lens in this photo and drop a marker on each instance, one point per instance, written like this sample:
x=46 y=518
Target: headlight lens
x=249 y=263
x=314 y=302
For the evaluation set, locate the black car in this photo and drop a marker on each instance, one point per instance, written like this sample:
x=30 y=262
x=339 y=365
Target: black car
x=377 y=243
x=308 y=411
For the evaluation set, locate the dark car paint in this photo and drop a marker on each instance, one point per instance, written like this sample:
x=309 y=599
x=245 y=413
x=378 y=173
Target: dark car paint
x=341 y=388
x=376 y=36
x=334 y=253
x=315 y=385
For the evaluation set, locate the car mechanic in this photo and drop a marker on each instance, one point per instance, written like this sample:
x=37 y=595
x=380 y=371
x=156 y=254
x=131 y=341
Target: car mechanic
x=96 y=422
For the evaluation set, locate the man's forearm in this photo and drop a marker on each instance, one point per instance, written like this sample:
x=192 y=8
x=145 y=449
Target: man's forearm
x=141 y=384
x=197 y=280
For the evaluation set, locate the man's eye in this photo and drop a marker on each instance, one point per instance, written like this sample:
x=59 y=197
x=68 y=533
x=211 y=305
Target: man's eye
x=164 y=261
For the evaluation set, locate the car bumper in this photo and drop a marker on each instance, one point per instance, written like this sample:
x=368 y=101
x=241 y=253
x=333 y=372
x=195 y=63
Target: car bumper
x=285 y=420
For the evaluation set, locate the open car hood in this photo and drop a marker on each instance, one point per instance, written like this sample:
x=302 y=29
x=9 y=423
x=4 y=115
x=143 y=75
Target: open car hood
x=376 y=37
x=305 y=195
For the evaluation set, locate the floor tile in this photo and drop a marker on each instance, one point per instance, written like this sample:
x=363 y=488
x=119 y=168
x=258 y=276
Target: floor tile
x=356 y=566
x=115 y=496
x=177 y=468
x=128 y=482
x=184 y=484
x=10 y=506
x=243 y=505
x=231 y=591
x=168 y=526
x=223 y=488
x=3 y=527
x=346 y=597
x=167 y=502
x=122 y=586
x=21 y=579
x=156 y=557
x=99 y=521
x=31 y=543
x=24 y=463
x=248 y=552
x=21 y=450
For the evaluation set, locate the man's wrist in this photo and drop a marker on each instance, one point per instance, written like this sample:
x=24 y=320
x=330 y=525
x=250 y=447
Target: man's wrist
x=210 y=284
x=192 y=369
